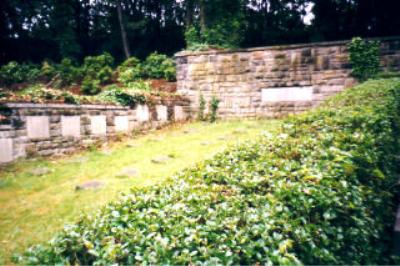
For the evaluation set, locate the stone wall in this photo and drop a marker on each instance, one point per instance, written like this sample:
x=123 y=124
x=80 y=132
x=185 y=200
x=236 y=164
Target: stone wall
x=51 y=129
x=272 y=81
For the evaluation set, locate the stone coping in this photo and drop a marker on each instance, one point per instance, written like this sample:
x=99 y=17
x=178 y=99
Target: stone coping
x=64 y=106
x=277 y=47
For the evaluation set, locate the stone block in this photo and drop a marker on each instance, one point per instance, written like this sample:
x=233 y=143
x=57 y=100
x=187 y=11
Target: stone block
x=71 y=126
x=98 y=125
x=121 y=123
x=287 y=94
x=6 y=150
x=38 y=126
x=179 y=113
x=162 y=113
x=142 y=113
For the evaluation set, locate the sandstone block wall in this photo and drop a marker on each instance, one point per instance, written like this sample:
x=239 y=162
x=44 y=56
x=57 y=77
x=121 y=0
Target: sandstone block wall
x=272 y=81
x=51 y=129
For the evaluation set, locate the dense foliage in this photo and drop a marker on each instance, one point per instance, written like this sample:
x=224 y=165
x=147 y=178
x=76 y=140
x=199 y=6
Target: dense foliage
x=320 y=191
x=364 y=58
x=35 y=30
x=95 y=72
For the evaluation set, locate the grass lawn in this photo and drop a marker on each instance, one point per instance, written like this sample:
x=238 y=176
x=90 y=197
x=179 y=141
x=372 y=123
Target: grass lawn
x=33 y=208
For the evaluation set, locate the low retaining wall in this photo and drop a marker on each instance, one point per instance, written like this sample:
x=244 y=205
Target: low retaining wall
x=272 y=81
x=51 y=129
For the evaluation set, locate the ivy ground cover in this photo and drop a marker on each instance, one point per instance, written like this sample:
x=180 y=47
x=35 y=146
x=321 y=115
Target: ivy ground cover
x=34 y=207
x=320 y=191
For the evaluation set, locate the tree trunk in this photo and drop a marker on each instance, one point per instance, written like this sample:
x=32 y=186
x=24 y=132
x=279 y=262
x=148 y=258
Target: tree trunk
x=189 y=13
x=202 y=16
x=125 y=42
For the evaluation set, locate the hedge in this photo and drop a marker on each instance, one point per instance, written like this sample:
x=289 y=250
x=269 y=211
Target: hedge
x=321 y=191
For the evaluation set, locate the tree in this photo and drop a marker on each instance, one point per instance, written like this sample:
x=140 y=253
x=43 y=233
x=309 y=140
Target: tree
x=125 y=42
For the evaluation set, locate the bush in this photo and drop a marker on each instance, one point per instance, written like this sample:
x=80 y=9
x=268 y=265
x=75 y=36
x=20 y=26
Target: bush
x=90 y=86
x=14 y=72
x=202 y=108
x=214 y=108
x=113 y=94
x=159 y=66
x=47 y=71
x=98 y=68
x=320 y=191
x=68 y=73
x=364 y=58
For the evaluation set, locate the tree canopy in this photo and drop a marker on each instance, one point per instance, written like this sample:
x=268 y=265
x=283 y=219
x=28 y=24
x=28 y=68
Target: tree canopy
x=34 y=30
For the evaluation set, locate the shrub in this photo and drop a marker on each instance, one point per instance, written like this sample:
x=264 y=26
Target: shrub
x=90 y=86
x=123 y=97
x=159 y=66
x=47 y=71
x=214 y=108
x=320 y=191
x=14 y=72
x=98 y=67
x=202 y=108
x=67 y=73
x=364 y=58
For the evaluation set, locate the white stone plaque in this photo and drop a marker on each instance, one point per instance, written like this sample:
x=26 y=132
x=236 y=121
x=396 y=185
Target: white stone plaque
x=121 y=123
x=71 y=126
x=287 y=94
x=162 y=113
x=98 y=125
x=142 y=113
x=6 y=150
x=37 y=126
x=179 y=113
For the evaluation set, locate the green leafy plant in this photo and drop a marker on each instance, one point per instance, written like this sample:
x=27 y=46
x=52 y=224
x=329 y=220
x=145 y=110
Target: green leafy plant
x=159 y=66
x=122 y=97
x=98 y=68
x=202 y=108
x=67 y=73
x=90 y=86
x=364 y=58
x=309 y=194
x=214 y=108
x=14 y=72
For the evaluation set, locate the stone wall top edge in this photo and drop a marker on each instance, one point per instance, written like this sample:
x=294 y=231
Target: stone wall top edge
x=64 y=106
x=278 y=47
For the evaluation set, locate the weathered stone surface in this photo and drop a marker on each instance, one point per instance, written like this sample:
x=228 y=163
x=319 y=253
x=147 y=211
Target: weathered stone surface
x=142 y=113
x=94 y=184
x=98 y=125
x=40 y=171
x=160 y=159
x=179 y=113
x=162 y=113
x=128 y=172
x=53 y=129
x=71 y=126
x=289 y=94
x=239 y=78
x=121 y=123
x=6 y=150
x=38 y=126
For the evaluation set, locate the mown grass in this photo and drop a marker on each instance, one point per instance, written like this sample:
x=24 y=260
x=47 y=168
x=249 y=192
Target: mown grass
x=33 y=208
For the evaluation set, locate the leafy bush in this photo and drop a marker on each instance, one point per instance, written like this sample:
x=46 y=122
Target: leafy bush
x=320 y=191
x=159 y=66
x=47 y=71
x=364 y=58
x=90 y=86
x=214 y=108
x=67 y=73
x=115 y=94
x=98 y=68
x=14 y=72
x=202 y=108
